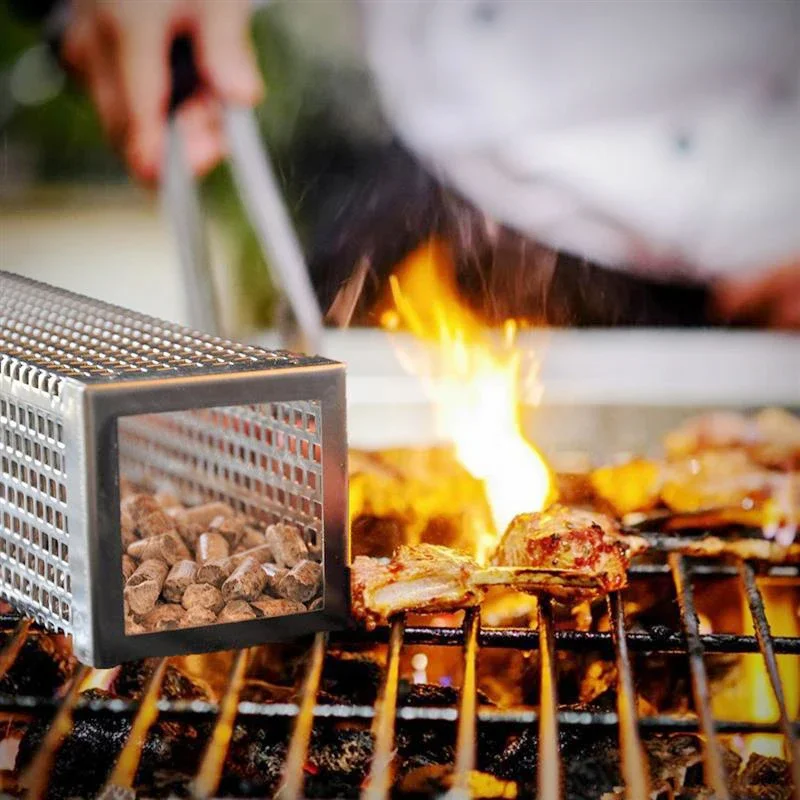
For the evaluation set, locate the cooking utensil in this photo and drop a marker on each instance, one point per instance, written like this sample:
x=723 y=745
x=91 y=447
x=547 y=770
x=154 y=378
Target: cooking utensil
x=91 y=393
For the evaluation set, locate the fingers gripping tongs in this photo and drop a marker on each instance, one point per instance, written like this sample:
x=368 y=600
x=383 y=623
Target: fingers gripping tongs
x=300 y=323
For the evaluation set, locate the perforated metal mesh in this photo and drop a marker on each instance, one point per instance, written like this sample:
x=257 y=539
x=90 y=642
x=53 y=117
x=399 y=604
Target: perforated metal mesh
x=34 y=530
x=74 y=336
x=264 y=460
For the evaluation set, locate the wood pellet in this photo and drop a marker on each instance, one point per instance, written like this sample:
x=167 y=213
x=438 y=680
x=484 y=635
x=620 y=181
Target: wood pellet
x=189 y=566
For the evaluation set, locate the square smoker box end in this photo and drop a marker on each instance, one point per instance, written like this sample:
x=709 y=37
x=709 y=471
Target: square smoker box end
x=90 y=394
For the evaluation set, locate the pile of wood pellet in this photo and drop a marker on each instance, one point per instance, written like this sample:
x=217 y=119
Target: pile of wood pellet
x=207 y=564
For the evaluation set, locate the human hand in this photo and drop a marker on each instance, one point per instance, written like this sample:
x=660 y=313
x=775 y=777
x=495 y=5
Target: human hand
x=121 y=50
x=772 y=299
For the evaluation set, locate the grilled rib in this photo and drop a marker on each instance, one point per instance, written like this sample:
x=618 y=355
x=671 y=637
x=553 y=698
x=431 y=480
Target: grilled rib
x=583 y=543
x=427 y=578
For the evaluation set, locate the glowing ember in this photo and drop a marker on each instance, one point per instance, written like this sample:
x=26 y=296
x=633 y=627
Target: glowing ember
x=99 y=679
x=474 y=386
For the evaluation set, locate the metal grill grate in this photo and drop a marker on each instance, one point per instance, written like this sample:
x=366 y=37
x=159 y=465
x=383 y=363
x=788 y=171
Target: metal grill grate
x=91 y=393
x=467 y=714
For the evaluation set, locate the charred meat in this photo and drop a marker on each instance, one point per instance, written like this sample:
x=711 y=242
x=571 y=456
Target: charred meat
x=427 y=578
x=580 y=543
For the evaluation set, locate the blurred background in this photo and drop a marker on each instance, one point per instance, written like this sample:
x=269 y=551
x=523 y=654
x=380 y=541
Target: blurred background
x=71 y=216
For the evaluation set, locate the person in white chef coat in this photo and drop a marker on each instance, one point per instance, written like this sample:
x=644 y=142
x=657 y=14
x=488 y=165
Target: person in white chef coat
x=652 y=136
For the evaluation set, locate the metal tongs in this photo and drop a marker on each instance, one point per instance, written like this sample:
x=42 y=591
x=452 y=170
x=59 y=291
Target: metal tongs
x=300 y=321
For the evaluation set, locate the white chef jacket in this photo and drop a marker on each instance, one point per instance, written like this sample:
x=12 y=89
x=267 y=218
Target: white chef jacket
x=659 y=135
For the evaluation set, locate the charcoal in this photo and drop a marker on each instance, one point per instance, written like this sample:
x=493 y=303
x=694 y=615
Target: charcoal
x=764 y=778
x=351 y=679
x=84 y=761
x=590 y=759
x=424 y=744
x=132 y=677
x=431 y=694
x=255 y=759
x=171 y=757
x=338 y=761
x=86 y=756
x=43 y=666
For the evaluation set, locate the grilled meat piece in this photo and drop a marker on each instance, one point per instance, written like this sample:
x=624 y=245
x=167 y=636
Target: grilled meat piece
x=771 y=437
x=583 y=542
x=427 y=578
x=717 y=479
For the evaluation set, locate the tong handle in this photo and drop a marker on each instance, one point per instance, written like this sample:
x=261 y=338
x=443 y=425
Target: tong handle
x=263 y=203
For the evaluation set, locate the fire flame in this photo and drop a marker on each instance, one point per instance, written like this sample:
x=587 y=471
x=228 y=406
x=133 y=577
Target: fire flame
x=749 y=696
x=474 y=387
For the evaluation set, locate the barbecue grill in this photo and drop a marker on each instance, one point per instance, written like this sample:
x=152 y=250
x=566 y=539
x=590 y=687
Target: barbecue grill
x=468 y=716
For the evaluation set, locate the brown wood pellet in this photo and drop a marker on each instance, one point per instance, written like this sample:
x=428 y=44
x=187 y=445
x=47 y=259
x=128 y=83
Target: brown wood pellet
x=302 y=582
x=168 y=547
x=215 y=572
x=237 y=611
x=246 y=581
x=212 y=547
x=287 y=544
x=180 y=577
x=128 y=566
x=138 y=505
x=202 y=595
x=127 y=529
x=231 y=528
x=194 y=566
x=143 y=587
x=277 y=607
x=156 y=523
x=206 y=513
x=275 y=575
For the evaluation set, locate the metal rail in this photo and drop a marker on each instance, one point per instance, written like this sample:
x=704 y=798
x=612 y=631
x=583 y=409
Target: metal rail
x=634 y=764
x=765 y=641
x=467 y=732
x=292 y=780
x=549 y=761
x=124 y=772
x=619 y=643
x=379 y=782
x=715 y=771
x=210 y=770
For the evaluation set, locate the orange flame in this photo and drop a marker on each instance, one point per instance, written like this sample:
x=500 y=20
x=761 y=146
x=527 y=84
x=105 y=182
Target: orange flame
x=474 y=386
x=749 y=696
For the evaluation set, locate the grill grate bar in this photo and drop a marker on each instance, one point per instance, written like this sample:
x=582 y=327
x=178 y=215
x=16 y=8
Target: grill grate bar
x=124 y=770
x=197 y=711
x=634 y=763
x=549 y=762
x=467 y=732
x=379 y=782
x=291 y=786
x=666 y=642
x=38 y=771
x=715 y=773
x=210 y=770
x=764 y=635
x=12 y=648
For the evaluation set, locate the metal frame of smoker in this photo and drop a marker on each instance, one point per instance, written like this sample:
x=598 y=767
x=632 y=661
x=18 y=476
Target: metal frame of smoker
x=467 y=714
x=71 y=368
